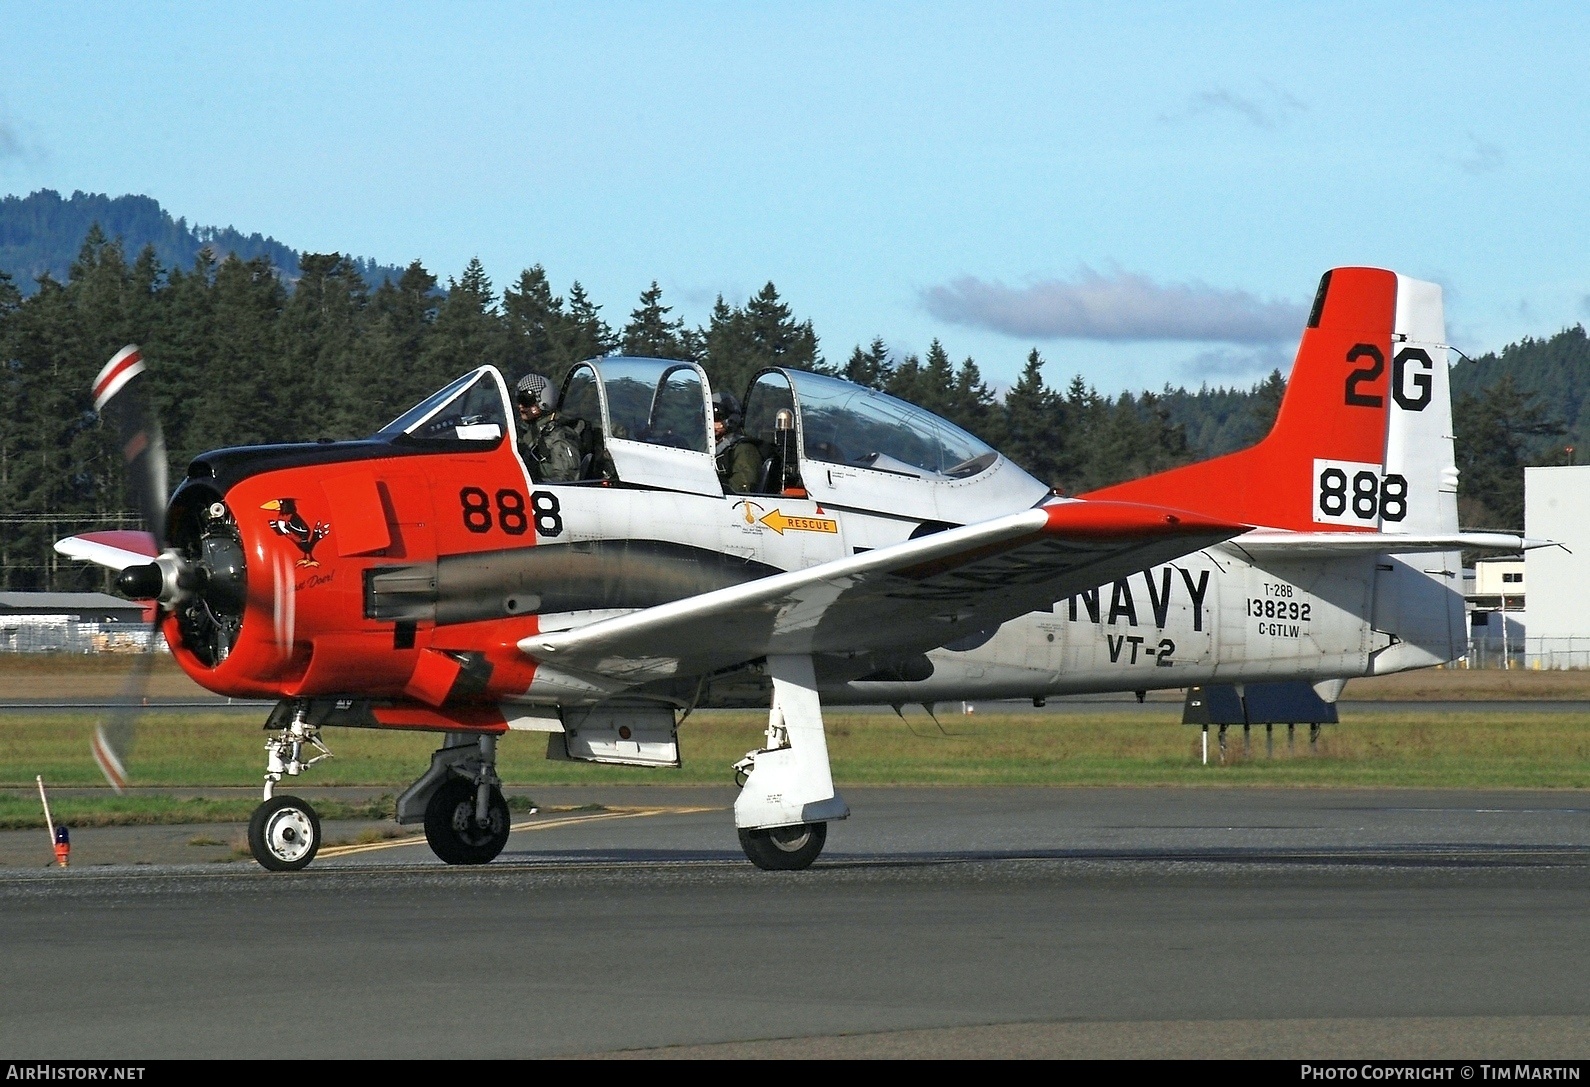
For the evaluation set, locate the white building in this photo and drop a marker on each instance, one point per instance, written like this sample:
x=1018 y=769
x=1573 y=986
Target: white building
x=1557 y=508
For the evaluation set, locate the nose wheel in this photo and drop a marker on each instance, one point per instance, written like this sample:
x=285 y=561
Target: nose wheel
x=284 y=834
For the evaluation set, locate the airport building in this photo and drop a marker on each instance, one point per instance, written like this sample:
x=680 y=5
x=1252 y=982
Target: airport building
x=1493 y=592
x=1557 y=508
x=71 y=623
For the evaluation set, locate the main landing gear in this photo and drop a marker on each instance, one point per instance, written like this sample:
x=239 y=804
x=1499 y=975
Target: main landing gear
x=784 y=849
x=460 y=801
x=787 y=792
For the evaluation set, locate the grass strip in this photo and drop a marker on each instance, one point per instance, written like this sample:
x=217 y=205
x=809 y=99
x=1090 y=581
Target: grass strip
x=1382 y=748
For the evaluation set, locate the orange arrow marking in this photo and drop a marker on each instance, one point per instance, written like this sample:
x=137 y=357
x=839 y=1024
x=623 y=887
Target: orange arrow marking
x=780 y=523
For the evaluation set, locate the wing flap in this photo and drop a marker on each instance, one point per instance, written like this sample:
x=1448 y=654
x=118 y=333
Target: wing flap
x=911 y=597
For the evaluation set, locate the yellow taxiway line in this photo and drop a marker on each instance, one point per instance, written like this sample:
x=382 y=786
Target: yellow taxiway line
x=544 y=824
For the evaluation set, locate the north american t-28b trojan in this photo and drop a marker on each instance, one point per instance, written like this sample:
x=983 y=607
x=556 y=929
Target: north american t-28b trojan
x=421 y=579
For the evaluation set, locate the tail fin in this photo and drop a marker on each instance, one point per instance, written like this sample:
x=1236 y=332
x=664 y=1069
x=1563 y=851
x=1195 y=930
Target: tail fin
x=1363 y=440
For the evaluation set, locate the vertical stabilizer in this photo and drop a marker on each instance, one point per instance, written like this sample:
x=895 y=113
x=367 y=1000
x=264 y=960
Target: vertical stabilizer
x=1321 y=466
x=1419 y=433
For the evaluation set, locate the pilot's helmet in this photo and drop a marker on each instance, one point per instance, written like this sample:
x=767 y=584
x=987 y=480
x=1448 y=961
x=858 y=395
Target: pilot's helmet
x=726 y=408
x=534 y=390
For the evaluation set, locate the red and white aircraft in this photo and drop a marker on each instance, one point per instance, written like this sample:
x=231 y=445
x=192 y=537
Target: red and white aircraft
x=421 y=579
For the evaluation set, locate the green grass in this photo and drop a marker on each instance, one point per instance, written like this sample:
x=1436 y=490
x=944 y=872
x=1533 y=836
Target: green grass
x=1409 y=747
x=1412 y=746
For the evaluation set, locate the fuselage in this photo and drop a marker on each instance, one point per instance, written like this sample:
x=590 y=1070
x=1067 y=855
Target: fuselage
x=398 y=568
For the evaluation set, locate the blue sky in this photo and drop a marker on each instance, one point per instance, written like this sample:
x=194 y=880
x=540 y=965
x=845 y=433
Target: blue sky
x=1146 y=193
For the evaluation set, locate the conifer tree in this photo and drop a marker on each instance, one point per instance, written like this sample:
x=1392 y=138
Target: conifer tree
x=537 y=328
x=650 y=334
x=586 y=335
x=467 y=332
x=320 y=391
x=397 y=326
x=871 y=367
x=971 y=404
x=740 y=341
x=1034 y=430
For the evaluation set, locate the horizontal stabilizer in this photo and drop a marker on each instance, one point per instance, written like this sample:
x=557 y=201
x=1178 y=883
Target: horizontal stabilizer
x=1270 y=543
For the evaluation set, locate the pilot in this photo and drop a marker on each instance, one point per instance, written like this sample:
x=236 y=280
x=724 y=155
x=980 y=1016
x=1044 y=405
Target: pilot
x=550 y=449
x=739 y=462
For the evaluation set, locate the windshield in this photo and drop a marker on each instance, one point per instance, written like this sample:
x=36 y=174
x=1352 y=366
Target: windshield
x=469 y=409
x=656 y=401
x=843 y=423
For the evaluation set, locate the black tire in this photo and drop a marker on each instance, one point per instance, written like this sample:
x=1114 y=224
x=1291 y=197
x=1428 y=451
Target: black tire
x=784 y=849
x=450 y=825
x=284 y=834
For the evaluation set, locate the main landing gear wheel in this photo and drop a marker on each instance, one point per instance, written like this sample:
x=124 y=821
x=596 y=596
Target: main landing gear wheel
x=784 y=849
x=452 y=831
x=284 y=834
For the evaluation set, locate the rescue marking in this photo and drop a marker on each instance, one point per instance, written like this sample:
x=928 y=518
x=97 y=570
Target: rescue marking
x=780 y=522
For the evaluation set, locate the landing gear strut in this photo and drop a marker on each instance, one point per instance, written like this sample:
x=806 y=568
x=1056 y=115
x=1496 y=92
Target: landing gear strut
x=787 y=791
x=460 y=801
x=284 y=833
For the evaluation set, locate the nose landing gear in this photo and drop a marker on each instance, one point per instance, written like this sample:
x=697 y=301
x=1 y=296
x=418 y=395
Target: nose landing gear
x=284 y=832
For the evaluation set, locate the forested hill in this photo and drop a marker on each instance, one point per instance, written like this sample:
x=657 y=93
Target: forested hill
x=240 y=353
x=42 y=233
x=1524 y=405
x=1555 y=371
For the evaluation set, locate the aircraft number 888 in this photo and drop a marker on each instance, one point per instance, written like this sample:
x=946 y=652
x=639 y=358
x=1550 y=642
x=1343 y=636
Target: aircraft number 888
x=1360 y=496
x=512 y=516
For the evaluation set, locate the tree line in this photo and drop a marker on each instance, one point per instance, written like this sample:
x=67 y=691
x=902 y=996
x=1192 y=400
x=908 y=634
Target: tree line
x=239 y=357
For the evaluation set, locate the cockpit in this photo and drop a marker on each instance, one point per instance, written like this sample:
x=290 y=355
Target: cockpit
x=650 y=422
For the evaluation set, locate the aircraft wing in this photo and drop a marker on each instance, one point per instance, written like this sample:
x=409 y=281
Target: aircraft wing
x=117 y=549
x=907 y=598
x=1276 y=543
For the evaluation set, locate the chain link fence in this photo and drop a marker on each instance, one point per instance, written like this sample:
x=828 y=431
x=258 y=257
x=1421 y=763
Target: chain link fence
x=1557 y=652
x=49 y=634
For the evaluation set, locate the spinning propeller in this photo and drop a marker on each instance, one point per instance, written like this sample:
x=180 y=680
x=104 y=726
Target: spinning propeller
x=202 y=578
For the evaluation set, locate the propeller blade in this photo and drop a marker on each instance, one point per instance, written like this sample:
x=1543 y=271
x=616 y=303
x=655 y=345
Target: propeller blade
x=113 y=737
x=121 y=399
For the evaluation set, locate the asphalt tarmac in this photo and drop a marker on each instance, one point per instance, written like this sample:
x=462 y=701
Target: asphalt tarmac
x=939 y=922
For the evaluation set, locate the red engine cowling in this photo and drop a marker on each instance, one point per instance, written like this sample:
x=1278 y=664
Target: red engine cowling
x=282 y=606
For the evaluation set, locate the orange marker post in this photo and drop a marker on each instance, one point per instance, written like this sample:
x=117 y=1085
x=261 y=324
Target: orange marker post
x=60 y=837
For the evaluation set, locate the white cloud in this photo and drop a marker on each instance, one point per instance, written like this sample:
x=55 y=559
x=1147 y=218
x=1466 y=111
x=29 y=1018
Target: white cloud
x=1269 y=109
x=1483 y=157
x=1238 y=366
x=1121 y=307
